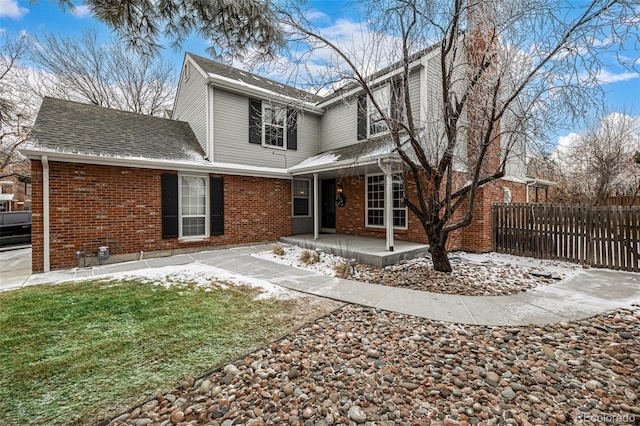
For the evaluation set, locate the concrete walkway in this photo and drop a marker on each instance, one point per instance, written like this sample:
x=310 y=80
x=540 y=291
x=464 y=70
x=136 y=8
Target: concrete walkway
x=589 y=293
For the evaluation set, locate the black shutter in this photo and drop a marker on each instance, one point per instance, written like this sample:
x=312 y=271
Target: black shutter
x=255 y=121
x=292 y=129
x=169 y=185
x=216 y=195
x=362 y=117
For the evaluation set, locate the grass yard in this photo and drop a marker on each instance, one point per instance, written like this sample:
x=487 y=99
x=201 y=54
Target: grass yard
x=80 y=352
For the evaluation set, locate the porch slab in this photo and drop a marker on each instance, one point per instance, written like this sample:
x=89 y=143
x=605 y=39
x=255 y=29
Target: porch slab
x=370 y=251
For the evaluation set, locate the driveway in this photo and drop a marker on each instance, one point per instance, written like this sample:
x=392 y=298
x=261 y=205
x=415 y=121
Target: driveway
x=15 y=268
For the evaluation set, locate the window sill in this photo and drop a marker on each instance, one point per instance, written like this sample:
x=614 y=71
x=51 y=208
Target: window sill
x=397 y=228
x=280 y=148
x=193 y=239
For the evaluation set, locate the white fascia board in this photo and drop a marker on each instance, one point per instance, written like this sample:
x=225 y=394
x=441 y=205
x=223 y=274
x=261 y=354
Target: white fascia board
x=382 y=78
x=143 y=163
x=250 y=90
x=344 y=164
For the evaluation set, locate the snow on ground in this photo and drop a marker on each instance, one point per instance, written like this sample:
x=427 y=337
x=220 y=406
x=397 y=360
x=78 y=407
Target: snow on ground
x=292 y=255
x=563 y=269
x=489 y=274
x=203 y=277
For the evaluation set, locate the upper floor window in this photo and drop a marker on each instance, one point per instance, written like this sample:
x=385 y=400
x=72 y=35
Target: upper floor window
x=371 y=120
x=273 y=126
x=377 y=121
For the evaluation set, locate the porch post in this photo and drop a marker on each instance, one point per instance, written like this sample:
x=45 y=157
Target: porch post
x=388 y=209
x=316 y=207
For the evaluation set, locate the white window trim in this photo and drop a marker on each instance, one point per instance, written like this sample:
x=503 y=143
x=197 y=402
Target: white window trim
x=366 y=208
x=284 y=127
x=206 y=212
x=293 y=197
x=371 y=109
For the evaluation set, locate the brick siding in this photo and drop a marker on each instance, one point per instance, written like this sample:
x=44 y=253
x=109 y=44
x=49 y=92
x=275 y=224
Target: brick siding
x=91 y=202
x=477 y=237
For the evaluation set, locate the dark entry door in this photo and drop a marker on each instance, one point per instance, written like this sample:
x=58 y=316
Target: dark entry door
x=328 y=211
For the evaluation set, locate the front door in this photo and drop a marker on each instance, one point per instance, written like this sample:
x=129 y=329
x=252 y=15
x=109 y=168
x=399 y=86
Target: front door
x=328 y=211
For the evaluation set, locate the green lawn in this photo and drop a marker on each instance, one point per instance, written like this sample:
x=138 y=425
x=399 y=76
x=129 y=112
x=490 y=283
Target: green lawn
x=77 y=353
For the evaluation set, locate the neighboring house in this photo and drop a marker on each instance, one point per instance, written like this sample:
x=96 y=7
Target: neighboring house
x=242 y=159
x=15 y=189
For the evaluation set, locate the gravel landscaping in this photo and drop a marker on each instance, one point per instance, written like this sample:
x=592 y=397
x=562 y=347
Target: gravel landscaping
x=364 y=366
x=490 y=274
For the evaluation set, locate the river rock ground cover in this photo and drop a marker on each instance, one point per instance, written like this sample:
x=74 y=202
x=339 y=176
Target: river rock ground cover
x=365 y=366
x=490 y=274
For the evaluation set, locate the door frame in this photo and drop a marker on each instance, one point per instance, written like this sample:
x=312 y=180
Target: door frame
x=322 y=211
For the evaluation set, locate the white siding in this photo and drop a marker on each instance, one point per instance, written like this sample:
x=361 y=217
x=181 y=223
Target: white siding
x=414 y=95
x=231 y=135
x=191 y=105
x=338 y=126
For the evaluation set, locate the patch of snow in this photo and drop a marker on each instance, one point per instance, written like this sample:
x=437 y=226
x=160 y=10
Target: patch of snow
x=317 y=160
x=559 y=268
x=203 y=277
x=325 y=265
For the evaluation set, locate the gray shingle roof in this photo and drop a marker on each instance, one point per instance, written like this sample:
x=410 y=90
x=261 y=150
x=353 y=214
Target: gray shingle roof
x=72 y=127
x=213 y=67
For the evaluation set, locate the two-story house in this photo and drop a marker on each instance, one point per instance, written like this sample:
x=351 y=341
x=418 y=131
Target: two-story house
x=242 y=159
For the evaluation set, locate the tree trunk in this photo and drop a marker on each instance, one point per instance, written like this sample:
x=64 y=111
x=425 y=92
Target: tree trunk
x=440 y=259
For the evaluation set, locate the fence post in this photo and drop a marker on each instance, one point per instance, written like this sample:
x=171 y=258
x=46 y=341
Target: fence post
x=589 y=235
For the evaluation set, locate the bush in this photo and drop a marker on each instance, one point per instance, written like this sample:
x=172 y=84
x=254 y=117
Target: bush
x=309 y=257
x=343 y=270
x=279 y=250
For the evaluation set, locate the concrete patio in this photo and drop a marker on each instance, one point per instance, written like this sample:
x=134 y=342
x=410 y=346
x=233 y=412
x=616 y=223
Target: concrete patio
x=371 y=251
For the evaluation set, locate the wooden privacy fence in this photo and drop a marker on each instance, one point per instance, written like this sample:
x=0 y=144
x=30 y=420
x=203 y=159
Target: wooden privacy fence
x=603 y=237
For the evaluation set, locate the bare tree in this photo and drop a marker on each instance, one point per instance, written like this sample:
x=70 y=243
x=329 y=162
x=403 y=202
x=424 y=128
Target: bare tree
x=601 y=162
x=105 y=74
x=16 y=110
x=505 y=72
x=232 y=26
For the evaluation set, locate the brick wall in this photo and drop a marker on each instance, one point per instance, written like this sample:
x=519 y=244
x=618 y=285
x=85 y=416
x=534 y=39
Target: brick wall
x=350 y=219
x=90 y=202
x=477 y=237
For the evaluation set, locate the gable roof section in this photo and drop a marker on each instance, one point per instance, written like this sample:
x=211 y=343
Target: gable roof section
x=212 y=67
x=378 y=74
x=75 y=128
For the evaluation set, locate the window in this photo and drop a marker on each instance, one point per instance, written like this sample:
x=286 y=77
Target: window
x=301 y=197
x=193 y=206
x=376 y=120
x=389 y=98
x=27 y=189
x=273 y=124
x=375 y=202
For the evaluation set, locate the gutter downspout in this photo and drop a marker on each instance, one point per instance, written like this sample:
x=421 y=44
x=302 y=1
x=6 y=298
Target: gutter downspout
x=316 y=207
x=526 y=186
x=45 y=214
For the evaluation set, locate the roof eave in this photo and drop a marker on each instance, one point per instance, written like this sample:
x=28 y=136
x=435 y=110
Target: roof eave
x=142 y=163
x=340 y=164
x=413 y=65
x=250 y=90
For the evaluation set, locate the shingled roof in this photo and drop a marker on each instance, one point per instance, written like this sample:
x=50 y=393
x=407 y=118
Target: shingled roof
x=76 y=128
x=212 y=67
